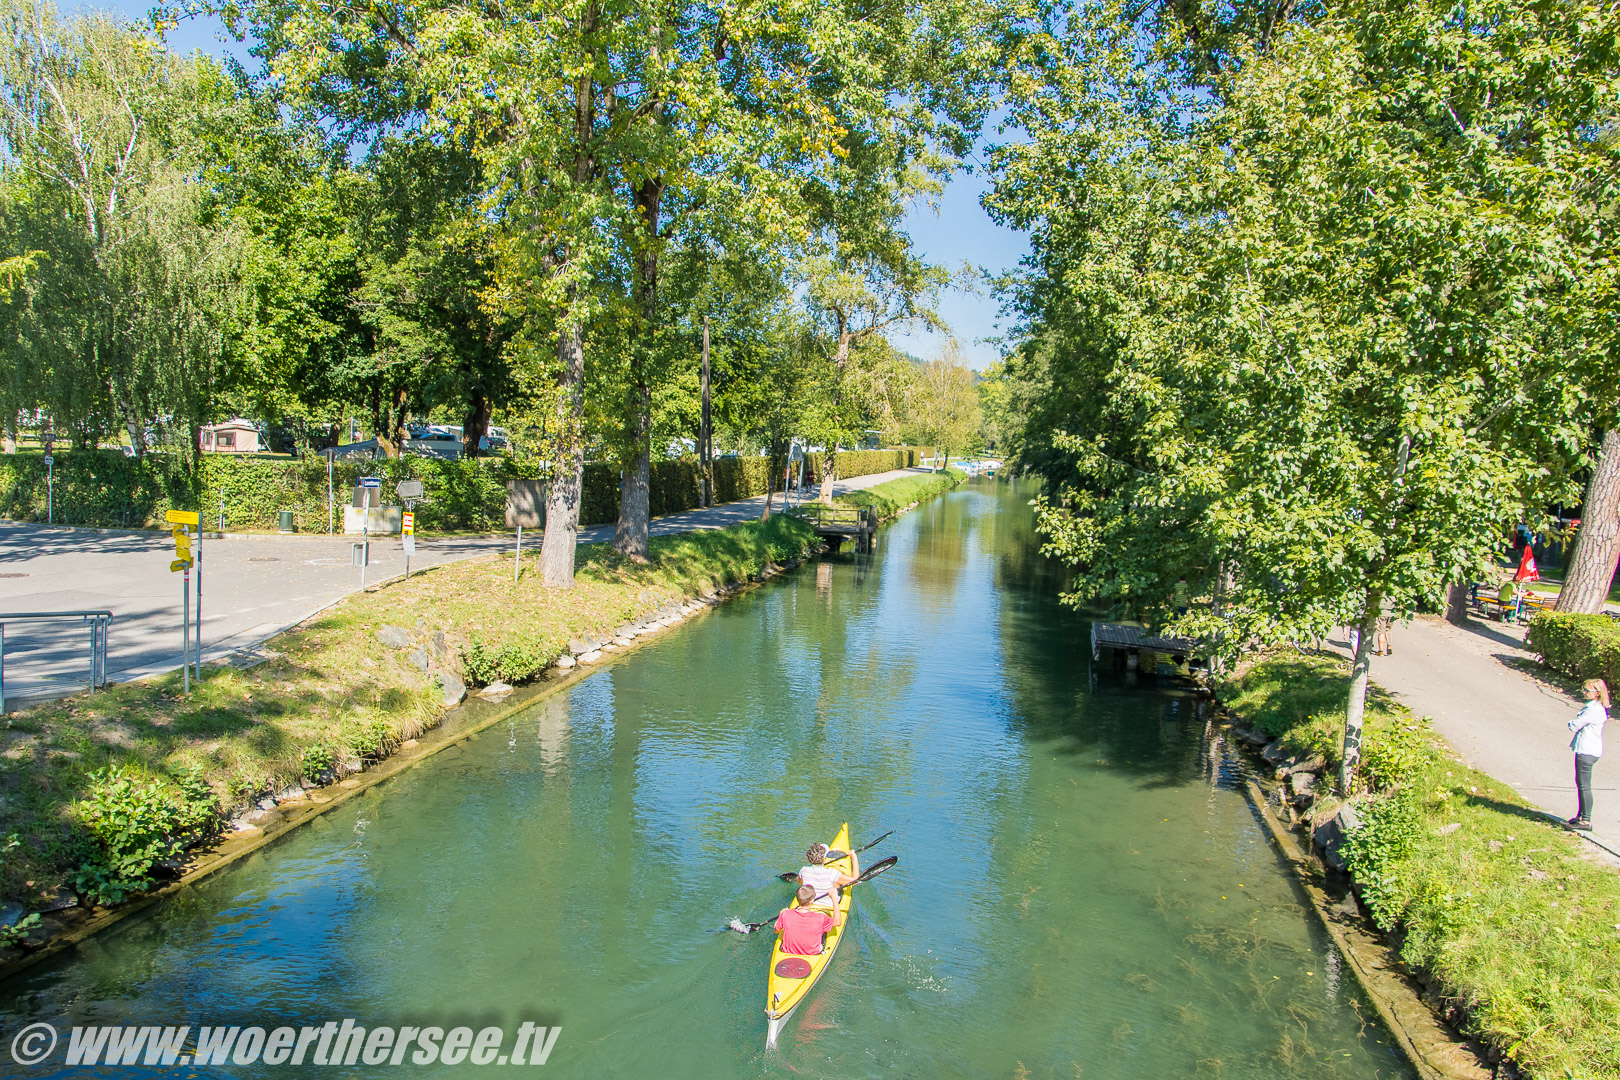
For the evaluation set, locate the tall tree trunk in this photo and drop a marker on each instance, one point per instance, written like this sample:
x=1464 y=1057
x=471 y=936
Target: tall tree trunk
x=630 y=535
x=1457 y=603
x=389 y=426
x=10 y=444
x=1355 y=710
x=829 y=461
x=476 y=425
x=568 y=458
x=568 y=462
x=1597 y=541
x=137 y=434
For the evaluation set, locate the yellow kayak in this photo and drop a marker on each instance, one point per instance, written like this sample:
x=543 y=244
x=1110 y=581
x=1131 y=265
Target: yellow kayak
x=791 y=977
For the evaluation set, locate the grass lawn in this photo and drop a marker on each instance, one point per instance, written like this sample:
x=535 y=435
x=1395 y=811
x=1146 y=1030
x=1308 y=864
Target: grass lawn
x=335 y=693
x=1511 y=915
x=892 y=496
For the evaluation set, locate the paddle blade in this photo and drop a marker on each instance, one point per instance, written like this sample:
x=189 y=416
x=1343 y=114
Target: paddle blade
x=791 y=875
x=876 y=868
x=876 y=842
x=745 y=927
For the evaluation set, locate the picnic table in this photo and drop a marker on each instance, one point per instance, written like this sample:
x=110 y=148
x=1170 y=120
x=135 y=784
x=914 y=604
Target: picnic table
x=1528 y=605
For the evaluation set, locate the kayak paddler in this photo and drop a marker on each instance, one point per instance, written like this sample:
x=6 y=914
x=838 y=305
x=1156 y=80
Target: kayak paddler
x=824 y=879
x=802 y=927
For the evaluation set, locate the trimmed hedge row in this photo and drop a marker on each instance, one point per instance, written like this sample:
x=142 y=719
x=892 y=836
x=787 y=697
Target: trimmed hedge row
x=1580 y=646
x=106 y=489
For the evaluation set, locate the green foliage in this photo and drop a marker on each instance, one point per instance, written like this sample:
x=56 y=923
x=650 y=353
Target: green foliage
x=892 y=496
x=319 y=759
x=17 y=931
x=1496 y=909
x=373 y=738
x=107 y=489
x=1389 y=831
x=1581 y=646
x=136 y=823
x=514 y=660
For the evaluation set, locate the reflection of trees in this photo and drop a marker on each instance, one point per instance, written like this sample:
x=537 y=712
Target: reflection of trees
x=1048 y=651
x=939 y=534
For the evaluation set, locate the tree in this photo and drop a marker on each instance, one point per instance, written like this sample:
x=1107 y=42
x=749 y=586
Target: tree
x=943 y=404
x=134 y=312
x=1311 y=329
x=1597 y=542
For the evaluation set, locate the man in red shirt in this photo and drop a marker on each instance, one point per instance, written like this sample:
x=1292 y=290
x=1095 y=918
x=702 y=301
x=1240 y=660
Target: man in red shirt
x=802 y=927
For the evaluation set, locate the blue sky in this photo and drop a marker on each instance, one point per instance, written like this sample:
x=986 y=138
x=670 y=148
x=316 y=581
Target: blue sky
x=960 y=234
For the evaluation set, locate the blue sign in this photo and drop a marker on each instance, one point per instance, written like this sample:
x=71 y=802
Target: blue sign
x=371 y=481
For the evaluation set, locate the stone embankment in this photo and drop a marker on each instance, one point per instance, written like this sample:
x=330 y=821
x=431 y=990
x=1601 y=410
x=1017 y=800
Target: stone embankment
x=1285 y=790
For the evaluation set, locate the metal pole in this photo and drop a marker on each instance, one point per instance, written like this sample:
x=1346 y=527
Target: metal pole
x=331 y=519
x=517 y=559
x=705 y=435
x=222 y=513
x=185 y=630
x=199 y=603
x=50 y=493
x=409 y=505
x=92 y=621
x=365 y=535
x=2 y=668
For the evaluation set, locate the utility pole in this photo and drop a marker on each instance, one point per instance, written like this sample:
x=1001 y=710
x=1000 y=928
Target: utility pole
x=705 y=433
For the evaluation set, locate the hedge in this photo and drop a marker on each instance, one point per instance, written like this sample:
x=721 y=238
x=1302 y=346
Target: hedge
x=106 y=489
x=1580 y=646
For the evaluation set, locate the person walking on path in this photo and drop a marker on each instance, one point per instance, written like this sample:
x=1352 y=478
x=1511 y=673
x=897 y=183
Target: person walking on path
x=1588 y=746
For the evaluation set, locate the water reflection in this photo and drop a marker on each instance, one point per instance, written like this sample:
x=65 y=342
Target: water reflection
x=1081 y=888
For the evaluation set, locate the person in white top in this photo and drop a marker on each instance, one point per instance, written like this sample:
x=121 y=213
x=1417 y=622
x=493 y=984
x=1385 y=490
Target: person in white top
x=826 y=880
x=1588 y=746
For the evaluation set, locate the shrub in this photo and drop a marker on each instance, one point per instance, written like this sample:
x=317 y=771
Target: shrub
x=514 y=660
x=319 y=760
x=1390 y=828
x=372 y=739
x=138 y=823
x=1580 y=646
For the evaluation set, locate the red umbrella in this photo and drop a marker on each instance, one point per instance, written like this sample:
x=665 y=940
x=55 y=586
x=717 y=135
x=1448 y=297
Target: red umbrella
x=1527 y=567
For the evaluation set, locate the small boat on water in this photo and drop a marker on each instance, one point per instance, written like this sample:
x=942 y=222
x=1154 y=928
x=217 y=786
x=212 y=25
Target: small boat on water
x=791 y=977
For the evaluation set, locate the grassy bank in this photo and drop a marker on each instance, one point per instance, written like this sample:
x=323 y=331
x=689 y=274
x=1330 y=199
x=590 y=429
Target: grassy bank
x=892 y=496
x=100 y=790
x=1513 y=922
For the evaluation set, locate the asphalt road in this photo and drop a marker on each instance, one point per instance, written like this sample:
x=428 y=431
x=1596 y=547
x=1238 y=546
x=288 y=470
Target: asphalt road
x=1474 y=683
x=253 y=588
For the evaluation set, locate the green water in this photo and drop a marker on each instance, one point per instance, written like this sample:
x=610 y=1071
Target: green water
x=1081 y=889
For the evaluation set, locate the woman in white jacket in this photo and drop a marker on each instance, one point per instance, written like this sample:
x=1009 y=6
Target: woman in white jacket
x=1588 y=746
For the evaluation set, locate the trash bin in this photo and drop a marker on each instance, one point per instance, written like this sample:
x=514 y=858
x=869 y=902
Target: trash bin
x=286 y=525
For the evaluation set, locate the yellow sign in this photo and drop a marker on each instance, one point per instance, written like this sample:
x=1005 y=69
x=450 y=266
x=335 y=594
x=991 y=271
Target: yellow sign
x=407 y=523
x=182 y=548
x=184 y=517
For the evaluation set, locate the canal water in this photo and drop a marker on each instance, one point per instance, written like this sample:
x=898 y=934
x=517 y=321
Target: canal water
x=1082 y=889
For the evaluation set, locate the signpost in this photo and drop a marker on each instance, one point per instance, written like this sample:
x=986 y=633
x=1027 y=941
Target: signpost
x=525 y=505
x=50 y=481
x=368 y=484
x=331 y=519
x=409 y=492
x=182 y=523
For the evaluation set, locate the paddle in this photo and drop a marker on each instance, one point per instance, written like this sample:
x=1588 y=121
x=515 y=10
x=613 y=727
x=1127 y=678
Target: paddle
x=789 y=876
x=748 y=928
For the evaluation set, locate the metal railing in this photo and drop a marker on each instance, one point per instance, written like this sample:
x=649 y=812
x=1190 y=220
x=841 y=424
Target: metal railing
x=98 y=623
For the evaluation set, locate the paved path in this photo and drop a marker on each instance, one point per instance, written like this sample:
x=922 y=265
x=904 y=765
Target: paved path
x=1500 y=719
x=255 y=587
